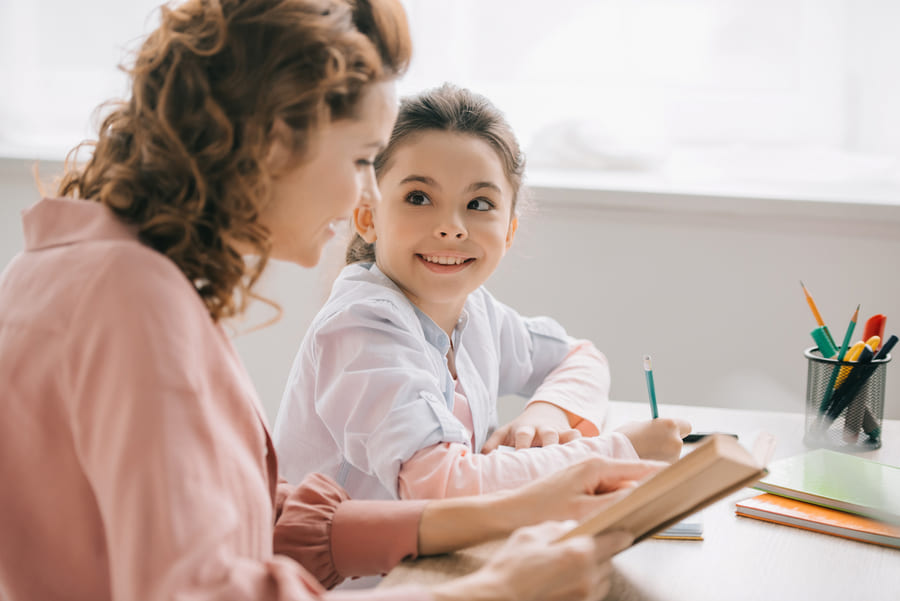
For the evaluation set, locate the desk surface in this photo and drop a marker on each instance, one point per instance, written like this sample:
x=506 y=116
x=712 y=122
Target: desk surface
x=739 y=558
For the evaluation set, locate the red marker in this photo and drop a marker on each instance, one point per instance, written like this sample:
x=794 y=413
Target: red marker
x=875 y=327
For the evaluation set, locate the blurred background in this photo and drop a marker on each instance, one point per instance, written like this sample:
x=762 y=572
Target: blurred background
x=690 y=161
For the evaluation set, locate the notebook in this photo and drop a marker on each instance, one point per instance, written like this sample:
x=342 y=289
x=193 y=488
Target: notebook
x=782 y=510
x=839 y=481
x=690 y=528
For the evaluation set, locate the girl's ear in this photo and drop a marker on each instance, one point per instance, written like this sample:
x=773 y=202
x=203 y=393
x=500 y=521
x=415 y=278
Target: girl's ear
x=364 y=223
x=513 y=226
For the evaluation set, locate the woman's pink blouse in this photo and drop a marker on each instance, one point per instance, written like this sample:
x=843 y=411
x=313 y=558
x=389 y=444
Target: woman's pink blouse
x=135 y=462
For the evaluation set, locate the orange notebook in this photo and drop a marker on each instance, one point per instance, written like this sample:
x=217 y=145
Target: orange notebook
x=782 y=510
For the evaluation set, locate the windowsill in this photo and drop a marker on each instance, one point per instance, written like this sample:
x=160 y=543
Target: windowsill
x=646 y=191
x=641 y=191
x=50 y=153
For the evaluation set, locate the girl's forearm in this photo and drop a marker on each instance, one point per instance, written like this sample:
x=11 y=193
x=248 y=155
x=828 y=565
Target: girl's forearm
x=452 y=470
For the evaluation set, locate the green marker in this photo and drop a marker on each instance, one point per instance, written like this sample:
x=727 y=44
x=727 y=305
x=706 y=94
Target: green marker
x=823 y=342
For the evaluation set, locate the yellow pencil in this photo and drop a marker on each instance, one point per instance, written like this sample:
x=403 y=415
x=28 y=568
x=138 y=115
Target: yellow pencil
x=816 y=315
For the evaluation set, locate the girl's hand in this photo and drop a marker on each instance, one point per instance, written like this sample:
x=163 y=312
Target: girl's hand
x=658 y=438
x=531 y=566
x=539 y=425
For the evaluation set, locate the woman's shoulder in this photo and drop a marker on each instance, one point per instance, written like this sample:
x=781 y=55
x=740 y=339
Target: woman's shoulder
x=132 y=269
x=126 y=282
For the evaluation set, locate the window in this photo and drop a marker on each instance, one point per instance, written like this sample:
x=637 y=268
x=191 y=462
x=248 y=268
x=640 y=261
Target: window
x=59 y=64
x=787 y=91
x=683 y=90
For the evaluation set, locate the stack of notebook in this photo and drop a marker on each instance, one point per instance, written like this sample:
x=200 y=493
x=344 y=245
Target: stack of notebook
x=833 y=493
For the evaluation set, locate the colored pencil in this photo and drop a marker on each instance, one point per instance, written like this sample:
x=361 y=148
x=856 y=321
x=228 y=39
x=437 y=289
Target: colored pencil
x=834 y=374
x=816 y=314
x=648 y=372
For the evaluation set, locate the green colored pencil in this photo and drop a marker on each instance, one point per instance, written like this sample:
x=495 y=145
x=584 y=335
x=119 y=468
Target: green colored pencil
x=648 y=372
x=826 y=398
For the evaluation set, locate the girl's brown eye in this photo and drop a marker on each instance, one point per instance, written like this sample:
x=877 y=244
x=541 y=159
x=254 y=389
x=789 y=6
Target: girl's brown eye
x=480 y=204
x=418 y=198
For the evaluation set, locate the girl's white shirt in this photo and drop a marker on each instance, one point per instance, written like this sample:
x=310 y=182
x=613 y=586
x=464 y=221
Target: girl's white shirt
x=370 y=385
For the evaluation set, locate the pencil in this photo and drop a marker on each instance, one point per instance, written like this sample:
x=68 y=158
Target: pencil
x=648 y=371
x=816 y=314
x=834 y=374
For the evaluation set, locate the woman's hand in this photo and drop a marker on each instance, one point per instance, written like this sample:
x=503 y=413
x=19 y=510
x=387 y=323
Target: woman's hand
x=539 y=425
x=532 y=566
x=576 y=491
x=658 y=438
x=571 y=493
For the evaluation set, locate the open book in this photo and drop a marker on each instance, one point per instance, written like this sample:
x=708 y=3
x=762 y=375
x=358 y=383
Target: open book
x=718 y=467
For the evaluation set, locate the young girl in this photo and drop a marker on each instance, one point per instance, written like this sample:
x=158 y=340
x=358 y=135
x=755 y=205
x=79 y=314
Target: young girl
x=393 y=392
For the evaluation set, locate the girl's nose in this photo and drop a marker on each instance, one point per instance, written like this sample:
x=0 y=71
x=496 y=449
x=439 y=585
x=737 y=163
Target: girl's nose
x=451 y=229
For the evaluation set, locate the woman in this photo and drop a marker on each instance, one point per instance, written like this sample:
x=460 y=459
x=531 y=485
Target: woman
x=136 y=461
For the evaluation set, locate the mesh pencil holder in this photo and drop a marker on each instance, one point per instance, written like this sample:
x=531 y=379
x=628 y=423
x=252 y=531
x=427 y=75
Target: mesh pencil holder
x=848 y=418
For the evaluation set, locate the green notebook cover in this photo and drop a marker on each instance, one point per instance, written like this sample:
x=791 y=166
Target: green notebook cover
x=839 y=481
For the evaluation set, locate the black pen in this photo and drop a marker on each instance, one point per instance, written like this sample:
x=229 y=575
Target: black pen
x=851 y=386
x=858 y=377
x=698 y=436
x=886 y=348
x=870 y=425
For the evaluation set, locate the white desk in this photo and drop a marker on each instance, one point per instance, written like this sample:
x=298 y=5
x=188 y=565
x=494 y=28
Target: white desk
x=739 y=558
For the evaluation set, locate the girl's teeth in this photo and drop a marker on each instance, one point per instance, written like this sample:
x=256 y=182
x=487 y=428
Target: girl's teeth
x=444 y=260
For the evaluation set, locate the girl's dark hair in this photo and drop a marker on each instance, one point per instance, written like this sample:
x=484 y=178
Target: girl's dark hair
x=184 y=158
x=452 y=109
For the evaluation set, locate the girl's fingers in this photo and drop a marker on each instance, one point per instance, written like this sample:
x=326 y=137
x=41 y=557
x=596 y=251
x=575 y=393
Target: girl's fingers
x=569 y=435
x=524 y=437
x=495 y=439
x=548 y=436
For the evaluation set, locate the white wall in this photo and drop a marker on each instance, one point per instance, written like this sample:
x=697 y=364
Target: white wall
x=708 y=286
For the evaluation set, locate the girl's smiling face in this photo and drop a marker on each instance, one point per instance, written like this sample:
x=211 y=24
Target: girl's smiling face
x=443 y=222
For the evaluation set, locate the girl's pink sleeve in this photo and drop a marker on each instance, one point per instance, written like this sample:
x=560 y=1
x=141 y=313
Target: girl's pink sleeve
x=453 y=470
x=580 y=386
x=337 y=538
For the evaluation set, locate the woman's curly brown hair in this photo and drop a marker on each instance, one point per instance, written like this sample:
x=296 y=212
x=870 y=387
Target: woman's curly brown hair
x=184 y=158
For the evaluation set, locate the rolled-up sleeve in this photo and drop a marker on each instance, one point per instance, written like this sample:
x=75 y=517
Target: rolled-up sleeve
x=580 y=386
x=378 y=391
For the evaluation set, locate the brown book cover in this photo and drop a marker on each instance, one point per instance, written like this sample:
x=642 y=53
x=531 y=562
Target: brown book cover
x=718 y=467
